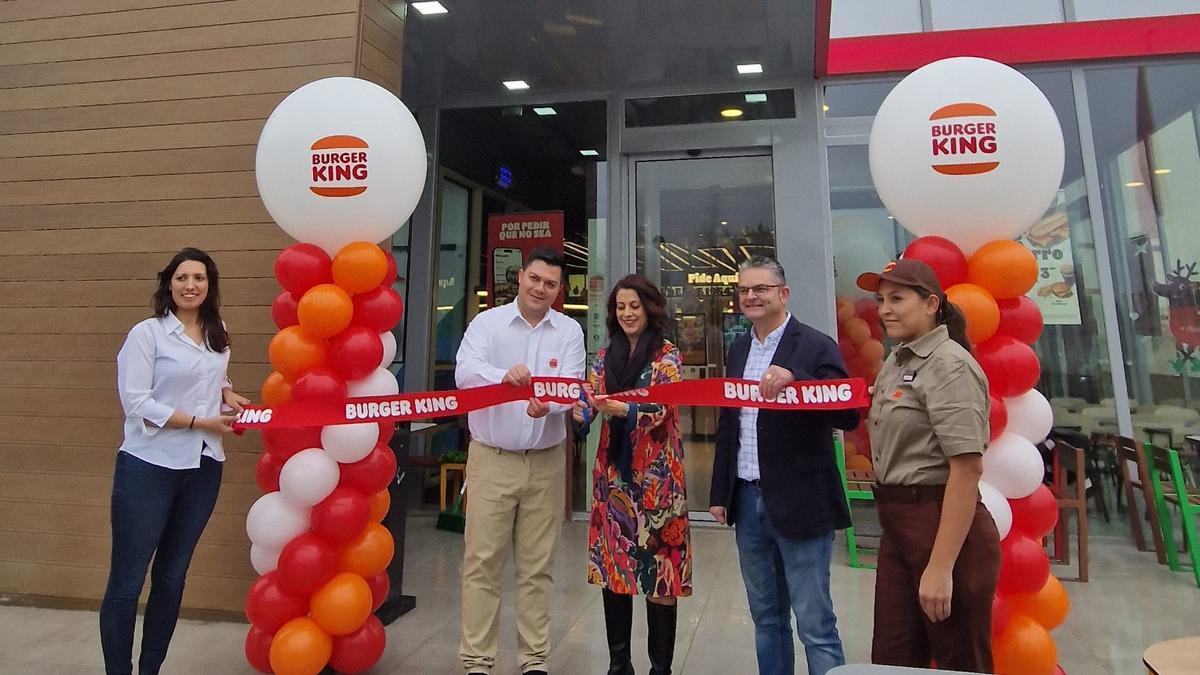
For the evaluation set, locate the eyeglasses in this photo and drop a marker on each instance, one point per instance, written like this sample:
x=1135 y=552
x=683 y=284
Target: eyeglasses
x=760 y=289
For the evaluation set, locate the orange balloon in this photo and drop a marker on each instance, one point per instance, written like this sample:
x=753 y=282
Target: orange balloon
x=859 y=331
x=342 y=605
x=840 y=302
x=845 y=313
x=300 y=647
x=369 y=553
x=1005 y=268
x=276 y=390
x=359 y=267
x=979 y=308
x=293 y=351
x=380 y=503
x=1049 y=606
x=872 y=349
x=325 y=310
x=1024 y=647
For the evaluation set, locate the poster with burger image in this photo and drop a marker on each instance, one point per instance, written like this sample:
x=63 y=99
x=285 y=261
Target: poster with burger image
x=1055 y=292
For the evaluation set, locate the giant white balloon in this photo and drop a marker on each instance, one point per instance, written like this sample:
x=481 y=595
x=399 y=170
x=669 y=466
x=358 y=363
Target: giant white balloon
x=1029 y=416
x=308 y=477
x=340 y=160
x=1013 y=466
x=272 y=522
x=968 y=149
x=998 y=506
x=379 y=383
x=348 y=443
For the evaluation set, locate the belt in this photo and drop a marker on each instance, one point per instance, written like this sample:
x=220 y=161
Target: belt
x=909 y=494
x=527 y=451
x=749 y=482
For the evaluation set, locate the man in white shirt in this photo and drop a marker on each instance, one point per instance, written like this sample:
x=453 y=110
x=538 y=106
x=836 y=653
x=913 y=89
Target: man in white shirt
x=516 y=467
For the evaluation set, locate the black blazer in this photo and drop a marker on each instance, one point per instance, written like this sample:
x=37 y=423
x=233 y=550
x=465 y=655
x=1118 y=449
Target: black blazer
x=801 y=487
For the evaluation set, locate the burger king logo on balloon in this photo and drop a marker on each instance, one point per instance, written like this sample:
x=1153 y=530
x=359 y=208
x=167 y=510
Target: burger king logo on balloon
x=962 y=148
x=968 y=149
x=339 y=166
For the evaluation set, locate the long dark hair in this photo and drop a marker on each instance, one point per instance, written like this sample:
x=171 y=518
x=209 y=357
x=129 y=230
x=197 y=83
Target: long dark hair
x=950 y=316
x=215 y=334
x=652 y=301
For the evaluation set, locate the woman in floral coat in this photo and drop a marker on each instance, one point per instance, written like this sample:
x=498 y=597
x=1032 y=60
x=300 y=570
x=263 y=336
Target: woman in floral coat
x=638 y=539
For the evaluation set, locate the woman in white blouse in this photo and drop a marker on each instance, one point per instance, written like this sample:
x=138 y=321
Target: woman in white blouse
x=171 y=376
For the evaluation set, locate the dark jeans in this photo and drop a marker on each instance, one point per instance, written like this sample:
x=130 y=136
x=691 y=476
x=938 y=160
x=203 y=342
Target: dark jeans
x=161 y=513
x=904 y=636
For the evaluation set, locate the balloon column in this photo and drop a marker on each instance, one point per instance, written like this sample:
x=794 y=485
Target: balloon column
x=968 y=153
x=340 y=166
x=859 y=340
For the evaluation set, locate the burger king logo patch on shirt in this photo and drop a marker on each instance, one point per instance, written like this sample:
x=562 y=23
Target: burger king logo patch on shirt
x=339 y=166
x=963 y=137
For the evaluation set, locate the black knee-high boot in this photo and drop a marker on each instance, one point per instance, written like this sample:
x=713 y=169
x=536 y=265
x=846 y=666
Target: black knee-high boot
x=660 y=642
x=618 y=625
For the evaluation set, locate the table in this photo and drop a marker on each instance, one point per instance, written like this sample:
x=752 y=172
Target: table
x=1173 y=656
x=867 y=669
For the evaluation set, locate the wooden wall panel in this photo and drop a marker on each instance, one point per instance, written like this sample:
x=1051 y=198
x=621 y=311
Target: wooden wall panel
x=127 y=131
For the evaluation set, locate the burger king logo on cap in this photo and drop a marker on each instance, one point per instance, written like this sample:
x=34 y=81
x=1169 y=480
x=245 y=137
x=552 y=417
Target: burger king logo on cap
x=963 y=144
x=339 y=166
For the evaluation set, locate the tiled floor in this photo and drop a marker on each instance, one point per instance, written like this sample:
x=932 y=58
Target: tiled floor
x=1130 y=603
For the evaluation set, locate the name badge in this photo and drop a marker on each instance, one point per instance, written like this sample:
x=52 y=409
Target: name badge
x=908 y=377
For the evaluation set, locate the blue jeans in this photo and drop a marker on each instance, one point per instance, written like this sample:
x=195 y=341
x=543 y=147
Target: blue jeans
x=159 y=513
x=782 y=576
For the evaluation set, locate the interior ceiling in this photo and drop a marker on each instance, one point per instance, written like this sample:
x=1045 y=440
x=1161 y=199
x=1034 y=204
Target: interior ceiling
x=563 y=45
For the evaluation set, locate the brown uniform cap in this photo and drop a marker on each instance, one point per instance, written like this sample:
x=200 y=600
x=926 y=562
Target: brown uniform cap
x=905 y=271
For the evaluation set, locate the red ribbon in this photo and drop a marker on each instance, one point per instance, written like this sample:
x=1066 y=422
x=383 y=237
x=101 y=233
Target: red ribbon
x=718 y=392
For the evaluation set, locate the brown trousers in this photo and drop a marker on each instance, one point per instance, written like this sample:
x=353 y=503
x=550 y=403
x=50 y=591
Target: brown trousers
x=904 y=636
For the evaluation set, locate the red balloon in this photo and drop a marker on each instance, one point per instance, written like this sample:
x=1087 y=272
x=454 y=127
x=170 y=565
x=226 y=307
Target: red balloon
x=267 y=471
x=284 y=310
x=386 y=431
x=1058 y=670
x=358 y=651
x=258 y=649
x=1020 y=318
x=319 y=384
x=997 y=418
x=380 y=585
x=355 y=352
x=1024 y=566
x=306 y=563
x=1001 y=614
x=869 y=312
x=269 y=605
x=392 y=273
x=1010 y=365
x=943 y=255
x=299 y=267
x=1035 y=515
x=287 y=441
x=373 y=472
x=341 y=515
x=379 y=310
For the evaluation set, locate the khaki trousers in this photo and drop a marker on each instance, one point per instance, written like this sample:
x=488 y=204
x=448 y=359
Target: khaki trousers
x=516 y=505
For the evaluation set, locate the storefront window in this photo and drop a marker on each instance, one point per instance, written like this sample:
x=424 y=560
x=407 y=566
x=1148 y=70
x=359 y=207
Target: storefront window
x=851 y=18
x=956 y=14
x=1092 y=10
x=1145 y=123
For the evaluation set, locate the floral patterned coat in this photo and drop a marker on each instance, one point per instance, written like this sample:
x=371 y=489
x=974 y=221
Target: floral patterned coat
x=638 y=538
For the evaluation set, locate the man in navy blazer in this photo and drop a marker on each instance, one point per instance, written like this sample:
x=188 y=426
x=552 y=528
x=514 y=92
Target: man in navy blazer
x=775 y=478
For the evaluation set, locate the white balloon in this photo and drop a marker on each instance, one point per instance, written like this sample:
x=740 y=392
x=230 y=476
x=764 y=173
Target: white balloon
x=388 y=339
x=308 y=477
x=272 y=522
x=998 y=506
x=348 y=443
x=379 y=383
x=1029 y=416
x=1013 y=466
x=340 y=160
x=263 y=559
x=995 y=172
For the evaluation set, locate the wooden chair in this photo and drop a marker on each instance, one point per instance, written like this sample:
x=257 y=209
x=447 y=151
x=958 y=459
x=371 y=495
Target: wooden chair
x=1131 y=462
x=1184 y=496
x=1070 y=498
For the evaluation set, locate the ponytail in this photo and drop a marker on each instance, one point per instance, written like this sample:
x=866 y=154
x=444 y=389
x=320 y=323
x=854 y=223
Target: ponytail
x=950 y=316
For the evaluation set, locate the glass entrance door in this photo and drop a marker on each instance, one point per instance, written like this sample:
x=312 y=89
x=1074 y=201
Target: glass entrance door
x=696 y=220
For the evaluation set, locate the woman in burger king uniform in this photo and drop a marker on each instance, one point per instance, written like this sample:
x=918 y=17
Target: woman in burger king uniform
x=173 y=387
x=939 y=555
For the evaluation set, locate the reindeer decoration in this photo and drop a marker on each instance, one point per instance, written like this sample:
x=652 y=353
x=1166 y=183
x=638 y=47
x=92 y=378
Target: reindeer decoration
x=1183 y=299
